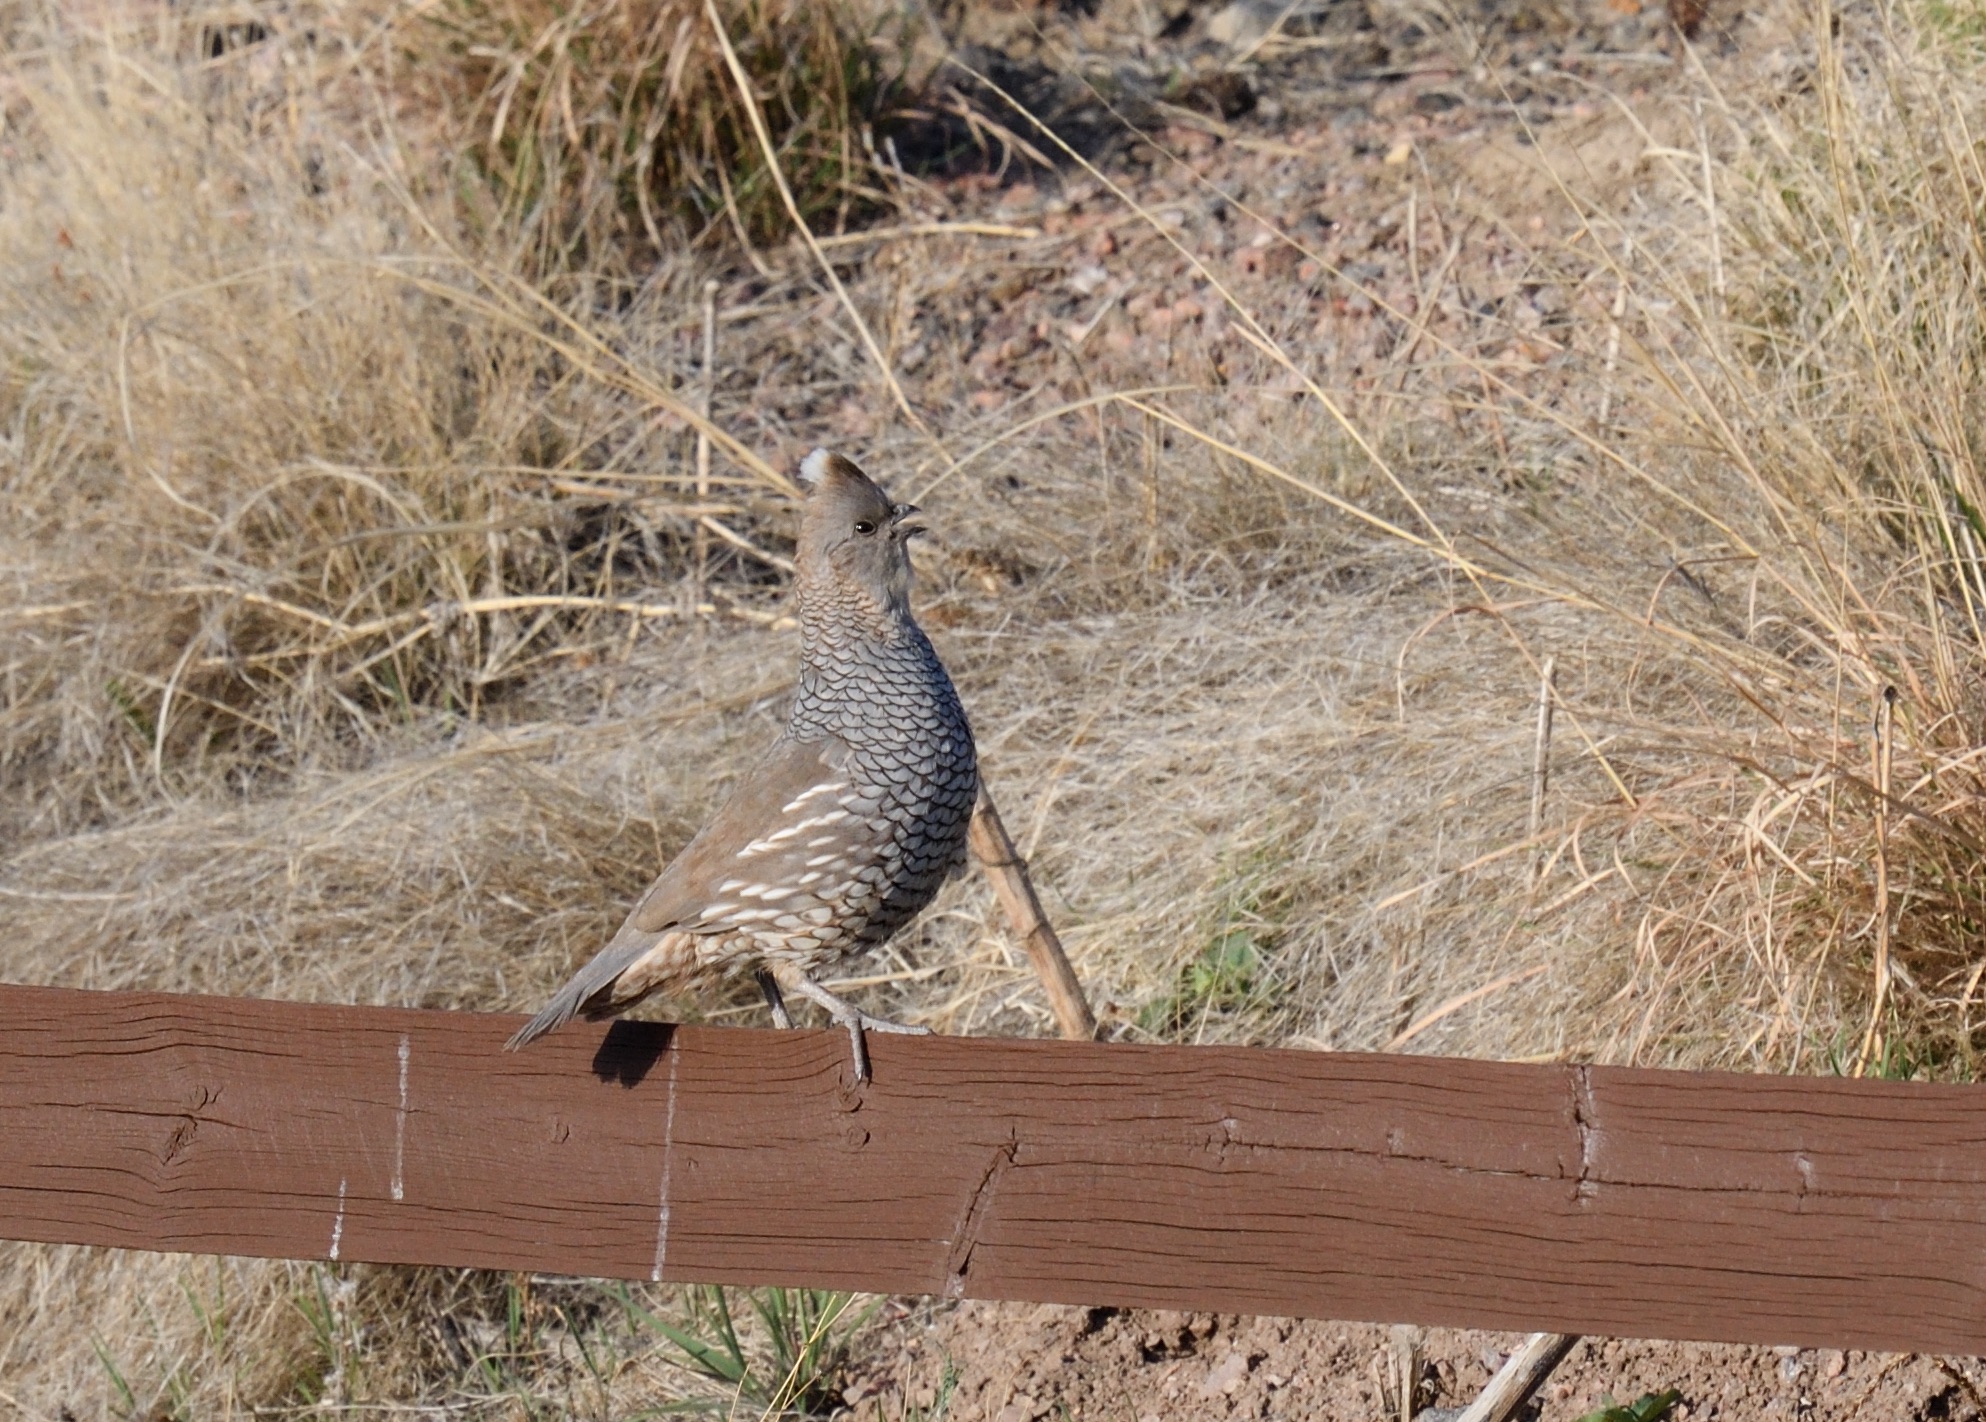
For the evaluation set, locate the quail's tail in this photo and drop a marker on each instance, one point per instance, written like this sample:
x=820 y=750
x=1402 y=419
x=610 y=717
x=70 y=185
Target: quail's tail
x=556 y=1013
x=594 y=991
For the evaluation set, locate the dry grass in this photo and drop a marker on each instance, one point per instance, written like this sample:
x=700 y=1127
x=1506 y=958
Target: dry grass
x=349 y=650
x=289 y=463
x=611 y=121
x=1800 y=452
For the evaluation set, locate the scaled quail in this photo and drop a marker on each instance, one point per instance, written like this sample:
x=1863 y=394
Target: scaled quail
x=847 y=827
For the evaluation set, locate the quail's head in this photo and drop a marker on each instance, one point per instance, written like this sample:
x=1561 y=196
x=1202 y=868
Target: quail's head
x=851 y=534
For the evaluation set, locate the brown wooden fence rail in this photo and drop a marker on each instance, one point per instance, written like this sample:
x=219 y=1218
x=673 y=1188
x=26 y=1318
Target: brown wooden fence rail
x=1585 y=1200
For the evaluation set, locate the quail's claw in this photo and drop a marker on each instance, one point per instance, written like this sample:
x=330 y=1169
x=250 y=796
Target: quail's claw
x=859 y=1048
x=769 y=985
x=855 y=1020
x=883 y=1024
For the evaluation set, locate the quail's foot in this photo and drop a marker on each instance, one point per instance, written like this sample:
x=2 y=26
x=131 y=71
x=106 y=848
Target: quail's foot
x=769 y=985
x=854 y=1019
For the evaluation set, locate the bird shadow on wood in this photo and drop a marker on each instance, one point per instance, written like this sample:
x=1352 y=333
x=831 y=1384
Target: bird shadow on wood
x=630 y=1050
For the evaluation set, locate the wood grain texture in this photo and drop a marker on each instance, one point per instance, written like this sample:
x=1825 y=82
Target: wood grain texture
x=1577 y=1200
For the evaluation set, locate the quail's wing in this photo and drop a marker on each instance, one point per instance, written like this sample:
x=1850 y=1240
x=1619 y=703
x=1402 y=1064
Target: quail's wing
x=795 y=804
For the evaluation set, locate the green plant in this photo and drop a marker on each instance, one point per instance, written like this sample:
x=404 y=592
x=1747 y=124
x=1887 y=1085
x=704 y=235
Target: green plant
x=323 y=1301
x=1649 y=1407
x=1901 y=1055
x=1231 y=972
x=117 y=1381
x=1221 y=977
x=948 y=1382
x=797 y=1367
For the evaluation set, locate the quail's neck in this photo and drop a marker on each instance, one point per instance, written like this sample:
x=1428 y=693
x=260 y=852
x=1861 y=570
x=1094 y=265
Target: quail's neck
x=868 y=675
x=838 y=617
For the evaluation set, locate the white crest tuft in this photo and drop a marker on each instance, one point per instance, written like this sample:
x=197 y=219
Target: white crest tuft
x=814 y=468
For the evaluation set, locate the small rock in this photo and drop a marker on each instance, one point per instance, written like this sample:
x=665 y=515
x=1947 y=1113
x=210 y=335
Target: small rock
x=1227 y=1375
x=1021 y=197
x=1242 y=23
x=1187 y=141
x=1087 y=278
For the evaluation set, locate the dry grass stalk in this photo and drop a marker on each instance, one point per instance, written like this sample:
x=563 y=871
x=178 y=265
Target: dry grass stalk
x=1404 y=1357
x=1880 y=763
x=748 y=101
x=1541 y=755
x=700 y=553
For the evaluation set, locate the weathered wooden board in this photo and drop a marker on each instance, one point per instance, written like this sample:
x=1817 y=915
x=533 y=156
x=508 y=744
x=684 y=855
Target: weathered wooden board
x=1572 y=1199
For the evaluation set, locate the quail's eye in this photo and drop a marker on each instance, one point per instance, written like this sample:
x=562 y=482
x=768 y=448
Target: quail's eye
x=862 y=525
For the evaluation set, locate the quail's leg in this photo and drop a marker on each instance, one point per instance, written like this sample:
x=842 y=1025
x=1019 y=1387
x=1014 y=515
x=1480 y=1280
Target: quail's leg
x=854 y=1019
x=769 y=985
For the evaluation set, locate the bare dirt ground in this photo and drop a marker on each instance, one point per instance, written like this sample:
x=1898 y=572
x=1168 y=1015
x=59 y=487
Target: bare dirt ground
x=1021 y=1363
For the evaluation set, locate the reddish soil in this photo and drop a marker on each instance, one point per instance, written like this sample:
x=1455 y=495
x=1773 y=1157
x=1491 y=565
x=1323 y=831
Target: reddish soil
x=1028 y=1363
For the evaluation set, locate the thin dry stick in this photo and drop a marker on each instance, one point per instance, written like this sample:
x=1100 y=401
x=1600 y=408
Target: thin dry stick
x=1541 y=756
x=1414 y=250
x=928 y=229
x=994 y=849
x=1405 y=1345
x=1457 y=1003
x=701 y=550
x=745 y=545
x=1872 y=1039
x=1519 y=1377
x=437 y=613
x=1615 y=315
x=1710 y=207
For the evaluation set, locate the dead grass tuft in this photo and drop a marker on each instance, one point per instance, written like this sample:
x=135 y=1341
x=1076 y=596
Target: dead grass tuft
x=287 y=466
x=606 y=122
x=1808 y=675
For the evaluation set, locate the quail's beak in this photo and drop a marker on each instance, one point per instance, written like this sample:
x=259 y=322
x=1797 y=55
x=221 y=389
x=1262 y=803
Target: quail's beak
x=905 y=520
